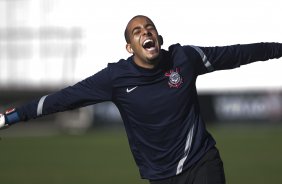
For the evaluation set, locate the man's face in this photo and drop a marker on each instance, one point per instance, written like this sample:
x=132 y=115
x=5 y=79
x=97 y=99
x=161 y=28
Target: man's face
x=144 y=41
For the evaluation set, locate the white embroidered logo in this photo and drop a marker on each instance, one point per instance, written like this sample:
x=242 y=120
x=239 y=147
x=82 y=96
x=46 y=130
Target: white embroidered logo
x=131 y=89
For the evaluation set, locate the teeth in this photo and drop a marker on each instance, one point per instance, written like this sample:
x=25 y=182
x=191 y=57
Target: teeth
x=147 y=41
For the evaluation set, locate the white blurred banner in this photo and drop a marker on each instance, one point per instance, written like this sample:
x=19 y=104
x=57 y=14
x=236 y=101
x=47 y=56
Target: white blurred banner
x=45 y=43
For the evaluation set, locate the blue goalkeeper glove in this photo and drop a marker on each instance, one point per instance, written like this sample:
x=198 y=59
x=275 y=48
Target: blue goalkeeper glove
x=9 y=118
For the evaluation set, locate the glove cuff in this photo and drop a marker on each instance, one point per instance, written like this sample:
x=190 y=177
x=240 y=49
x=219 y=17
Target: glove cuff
x=11 y=117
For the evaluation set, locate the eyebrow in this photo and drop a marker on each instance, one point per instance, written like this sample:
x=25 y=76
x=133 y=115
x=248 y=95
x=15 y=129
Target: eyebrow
x=139 y=27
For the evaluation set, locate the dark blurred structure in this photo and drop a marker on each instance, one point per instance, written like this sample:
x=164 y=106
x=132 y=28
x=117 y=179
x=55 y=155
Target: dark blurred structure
x=244 y=106
x=247 y=107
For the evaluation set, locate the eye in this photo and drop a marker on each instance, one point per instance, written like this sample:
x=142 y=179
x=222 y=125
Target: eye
x=136 y=31
x=150 y=27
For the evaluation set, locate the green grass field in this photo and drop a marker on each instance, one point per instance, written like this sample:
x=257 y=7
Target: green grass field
x=251 y=156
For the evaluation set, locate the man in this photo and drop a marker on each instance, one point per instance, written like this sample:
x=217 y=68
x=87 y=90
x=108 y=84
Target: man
x=155 y=92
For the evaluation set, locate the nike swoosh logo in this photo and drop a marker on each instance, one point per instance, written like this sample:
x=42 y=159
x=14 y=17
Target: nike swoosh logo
x=131 y=89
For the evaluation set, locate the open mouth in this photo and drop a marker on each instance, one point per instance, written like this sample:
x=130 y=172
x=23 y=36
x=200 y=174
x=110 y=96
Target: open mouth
x=149 y=45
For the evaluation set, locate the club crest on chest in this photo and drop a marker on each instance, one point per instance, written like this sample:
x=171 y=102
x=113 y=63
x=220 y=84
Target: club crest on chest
x=174 y=78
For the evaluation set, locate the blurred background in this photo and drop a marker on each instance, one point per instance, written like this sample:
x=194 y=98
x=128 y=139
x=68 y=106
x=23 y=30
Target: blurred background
x=46 y=45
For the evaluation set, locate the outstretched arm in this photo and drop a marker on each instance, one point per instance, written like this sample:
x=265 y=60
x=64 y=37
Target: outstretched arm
x=228 y=57
x=94 y=89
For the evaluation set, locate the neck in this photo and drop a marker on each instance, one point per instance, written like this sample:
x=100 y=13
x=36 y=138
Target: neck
x=148 y=64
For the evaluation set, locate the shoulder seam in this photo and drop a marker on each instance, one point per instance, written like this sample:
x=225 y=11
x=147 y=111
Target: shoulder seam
x=205 y=60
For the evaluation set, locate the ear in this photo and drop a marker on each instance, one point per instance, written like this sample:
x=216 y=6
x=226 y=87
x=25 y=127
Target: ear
x=160 y=39
x=129 y=48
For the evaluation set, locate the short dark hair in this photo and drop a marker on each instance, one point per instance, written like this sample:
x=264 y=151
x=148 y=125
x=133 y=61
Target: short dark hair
x=126 y=33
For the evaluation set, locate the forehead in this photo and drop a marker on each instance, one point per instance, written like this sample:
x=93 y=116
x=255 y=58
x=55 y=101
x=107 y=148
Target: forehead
x=139 y=21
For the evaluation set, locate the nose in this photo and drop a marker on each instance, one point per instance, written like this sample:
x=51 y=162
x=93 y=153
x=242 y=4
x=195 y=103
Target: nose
x=146 y=32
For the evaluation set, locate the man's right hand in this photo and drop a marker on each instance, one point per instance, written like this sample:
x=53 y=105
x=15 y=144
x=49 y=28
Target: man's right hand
x=3 y=125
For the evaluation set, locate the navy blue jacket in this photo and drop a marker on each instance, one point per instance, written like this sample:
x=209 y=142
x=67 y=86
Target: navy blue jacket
x=159 y=106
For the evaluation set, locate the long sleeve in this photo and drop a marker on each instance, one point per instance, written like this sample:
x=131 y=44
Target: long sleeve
x=94 y=89
x=228 y=57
